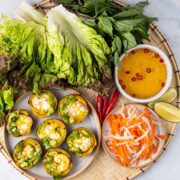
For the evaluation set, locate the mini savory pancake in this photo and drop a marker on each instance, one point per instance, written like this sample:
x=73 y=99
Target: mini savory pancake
x=73 y=109
x=27 y=153
x=52 y=133
x=81 y=141
x=57 y=162
x=19 y=123
x=43 y=104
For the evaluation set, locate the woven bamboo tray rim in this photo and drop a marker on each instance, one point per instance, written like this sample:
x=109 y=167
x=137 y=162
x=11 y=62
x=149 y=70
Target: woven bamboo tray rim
x=155 y=35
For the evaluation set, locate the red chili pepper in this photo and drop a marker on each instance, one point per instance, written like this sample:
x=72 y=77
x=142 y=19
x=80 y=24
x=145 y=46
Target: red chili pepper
x=161 y=60
x=99 y=106
x=132 y=52
x=113 y=101
x=140 y=77
x=146 y=51
x=120 y=81
x=162 y=84
x=156 y=55
x=148 y=70
x=133 y=79
x=123 y=86
x=105 y=106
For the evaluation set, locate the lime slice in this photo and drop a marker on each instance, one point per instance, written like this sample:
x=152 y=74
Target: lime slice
x=167 y=111
x=168 y=97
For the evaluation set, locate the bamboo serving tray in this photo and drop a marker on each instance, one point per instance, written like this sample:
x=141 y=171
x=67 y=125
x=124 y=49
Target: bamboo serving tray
x=103 y=167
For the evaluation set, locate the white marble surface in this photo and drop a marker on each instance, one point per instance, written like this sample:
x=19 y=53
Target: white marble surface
x=168 y=13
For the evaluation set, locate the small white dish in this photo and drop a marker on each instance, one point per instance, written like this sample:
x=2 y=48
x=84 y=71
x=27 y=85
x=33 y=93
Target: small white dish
x=160 y=130
x=168 y=79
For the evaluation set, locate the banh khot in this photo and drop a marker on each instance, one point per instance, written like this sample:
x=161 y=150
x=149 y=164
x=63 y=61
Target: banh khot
x=19 y=123
x=51 y=132
x=57 y=163
x=73 y=109
x=27 y=153
x=81 y=142
x=43 y=103
x=142 y=73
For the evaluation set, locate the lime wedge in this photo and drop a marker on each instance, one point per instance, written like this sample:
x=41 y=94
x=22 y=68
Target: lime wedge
x=151 y=104
x=168 y=97
x=167 y=111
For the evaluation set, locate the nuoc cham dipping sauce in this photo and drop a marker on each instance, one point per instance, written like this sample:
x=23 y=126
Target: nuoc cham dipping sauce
x=142 y=73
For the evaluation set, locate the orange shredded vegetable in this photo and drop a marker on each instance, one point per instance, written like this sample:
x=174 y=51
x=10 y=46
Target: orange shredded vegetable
x=133 y=139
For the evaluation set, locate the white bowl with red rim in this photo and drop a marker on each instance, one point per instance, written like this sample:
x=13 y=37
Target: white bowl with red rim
x=168 y=70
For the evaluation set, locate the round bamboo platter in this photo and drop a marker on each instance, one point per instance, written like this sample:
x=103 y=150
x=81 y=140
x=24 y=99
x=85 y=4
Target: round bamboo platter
x=103 y=167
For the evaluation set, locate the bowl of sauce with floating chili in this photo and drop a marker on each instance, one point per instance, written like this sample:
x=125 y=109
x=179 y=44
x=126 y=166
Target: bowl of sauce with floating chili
x=144 y=74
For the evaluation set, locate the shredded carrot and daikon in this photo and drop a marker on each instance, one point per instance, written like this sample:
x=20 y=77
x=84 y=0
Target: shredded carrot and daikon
x=133 y=136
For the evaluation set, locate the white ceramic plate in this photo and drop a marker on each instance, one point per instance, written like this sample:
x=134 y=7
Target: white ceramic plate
x=79 y=164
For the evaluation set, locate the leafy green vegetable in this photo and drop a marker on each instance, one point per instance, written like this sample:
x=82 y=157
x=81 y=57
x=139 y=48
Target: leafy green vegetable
x=139 y=6
x=2 y=109
x=7 y=96
x=116 y=49
x=67 y=48
x=129 y=40
x=88 y=47
x=89 y=22
x=111 y=20
x=93 y=7
x=105 y=25
x=126 y=25
x=7 y=63
x=131 y=11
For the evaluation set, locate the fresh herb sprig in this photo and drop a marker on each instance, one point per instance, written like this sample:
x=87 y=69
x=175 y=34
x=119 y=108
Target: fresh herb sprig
x=122 y=27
